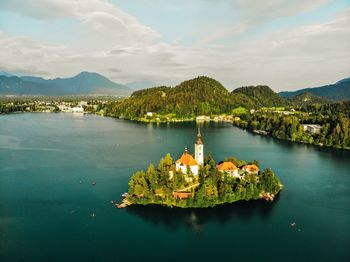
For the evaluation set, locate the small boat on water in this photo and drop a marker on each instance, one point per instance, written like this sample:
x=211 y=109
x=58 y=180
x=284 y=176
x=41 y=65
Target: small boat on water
x=125 y=194
x=293 y=224
x=123 y=205
x=93 y=215
x=93 y=183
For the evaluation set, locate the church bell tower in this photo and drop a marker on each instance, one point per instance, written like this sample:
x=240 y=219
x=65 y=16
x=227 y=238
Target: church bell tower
x=199 y=148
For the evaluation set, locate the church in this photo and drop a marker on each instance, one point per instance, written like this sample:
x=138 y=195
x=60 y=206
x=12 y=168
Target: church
x=187 y=162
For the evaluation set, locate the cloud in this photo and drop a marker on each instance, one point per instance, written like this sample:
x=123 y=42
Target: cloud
x=104 y=23
x=117 y=45
x=265 y=11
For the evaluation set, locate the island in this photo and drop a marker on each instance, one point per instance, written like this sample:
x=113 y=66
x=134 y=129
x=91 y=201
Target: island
x=198 y=182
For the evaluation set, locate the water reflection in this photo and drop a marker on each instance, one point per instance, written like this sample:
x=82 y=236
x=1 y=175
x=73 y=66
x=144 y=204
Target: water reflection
x=196 y=219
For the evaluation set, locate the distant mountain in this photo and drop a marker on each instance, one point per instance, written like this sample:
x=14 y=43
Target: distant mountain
x=307 y=98
x=338 y=91
x=13 y=85
x=3 y=73
x=264 y=95
x=141 y=85
x=81 y=84
x=198 y=96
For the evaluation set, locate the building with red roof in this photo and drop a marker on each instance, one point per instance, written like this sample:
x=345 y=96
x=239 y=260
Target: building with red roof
x=250 y=169
x=227 y=167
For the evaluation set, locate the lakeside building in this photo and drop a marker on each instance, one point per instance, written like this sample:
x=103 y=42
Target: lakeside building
x=77 y=109
x=314 y=129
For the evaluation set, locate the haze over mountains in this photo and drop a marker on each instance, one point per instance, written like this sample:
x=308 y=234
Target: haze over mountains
x=338 y=91
x=82 y=84
x=90 y=83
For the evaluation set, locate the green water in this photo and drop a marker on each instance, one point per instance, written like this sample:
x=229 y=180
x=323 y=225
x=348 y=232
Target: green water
x=45 y=211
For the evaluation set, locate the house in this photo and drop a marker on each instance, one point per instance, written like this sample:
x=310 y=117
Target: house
x=83 y=103
x=228 y=167
x=182 y=195
x=186 y=161
x=250 y=169
x=77 y=109
x=202 y=118
x=314 y=129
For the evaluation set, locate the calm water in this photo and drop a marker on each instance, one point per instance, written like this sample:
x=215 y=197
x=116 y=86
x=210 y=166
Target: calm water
x=45 y=211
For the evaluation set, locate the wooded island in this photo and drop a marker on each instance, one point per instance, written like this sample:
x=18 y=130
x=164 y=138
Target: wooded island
x=195 y=182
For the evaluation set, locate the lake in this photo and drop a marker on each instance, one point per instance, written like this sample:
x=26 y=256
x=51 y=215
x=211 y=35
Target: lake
x=48 y=162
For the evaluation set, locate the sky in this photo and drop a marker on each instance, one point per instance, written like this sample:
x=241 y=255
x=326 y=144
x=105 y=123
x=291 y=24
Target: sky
x=285 y=44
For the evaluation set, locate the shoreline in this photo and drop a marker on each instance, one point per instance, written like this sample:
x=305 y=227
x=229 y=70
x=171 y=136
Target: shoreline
x=188 y=120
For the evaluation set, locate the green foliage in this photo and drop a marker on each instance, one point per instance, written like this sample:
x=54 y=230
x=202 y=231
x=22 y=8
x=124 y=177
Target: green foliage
x=337 y=92
x=198 y=96
x=333 y=119
x=209 y=188
x=307 y=98
x=268 y=182
x=264 y=95
x=239 y=111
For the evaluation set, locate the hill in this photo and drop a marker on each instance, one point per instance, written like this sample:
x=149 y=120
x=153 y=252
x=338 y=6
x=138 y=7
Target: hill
x=81 y=84
x=337 y=92
x=307 y=98
x=198 y=96
x=264 y=95
x=13 y=85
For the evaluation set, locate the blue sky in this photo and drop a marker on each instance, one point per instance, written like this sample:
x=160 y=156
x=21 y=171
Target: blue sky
x=285 y=44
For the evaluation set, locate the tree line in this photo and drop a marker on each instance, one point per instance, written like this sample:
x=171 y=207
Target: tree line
x=155 y=186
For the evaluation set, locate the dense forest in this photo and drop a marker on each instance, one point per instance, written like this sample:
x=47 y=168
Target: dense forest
x=199 y=96
x=333 y=119
x=212 y=187
x=264 y=95
x=307 y=98
x=340 y=91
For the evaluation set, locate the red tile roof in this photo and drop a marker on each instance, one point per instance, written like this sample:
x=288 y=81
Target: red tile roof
x=226 y=166
x=187 y=159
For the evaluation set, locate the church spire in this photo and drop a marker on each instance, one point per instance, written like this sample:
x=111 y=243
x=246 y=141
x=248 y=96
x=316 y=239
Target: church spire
x=199 y=136
x=199 y=148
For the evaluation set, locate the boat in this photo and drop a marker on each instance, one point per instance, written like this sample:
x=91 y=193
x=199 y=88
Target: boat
x=293 y=224
x=93 y=183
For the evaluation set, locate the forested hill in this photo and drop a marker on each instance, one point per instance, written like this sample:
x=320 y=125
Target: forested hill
x=307 y=98
x=338 y=91
x=263 y=94
x=198 y=96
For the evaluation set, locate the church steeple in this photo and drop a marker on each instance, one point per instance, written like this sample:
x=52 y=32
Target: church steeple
x=199 y=148
x=199 y=136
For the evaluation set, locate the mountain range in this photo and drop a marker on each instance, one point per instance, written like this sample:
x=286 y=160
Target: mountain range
x=90 y=83
x=338 y=91
x=81 y=84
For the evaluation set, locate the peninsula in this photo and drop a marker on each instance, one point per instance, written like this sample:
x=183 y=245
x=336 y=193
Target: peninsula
x=197 y=182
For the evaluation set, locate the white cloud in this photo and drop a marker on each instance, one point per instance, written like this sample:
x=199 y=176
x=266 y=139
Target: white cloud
x=119 y=46
x=104 y=23
x=264 y=11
